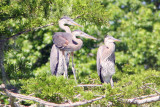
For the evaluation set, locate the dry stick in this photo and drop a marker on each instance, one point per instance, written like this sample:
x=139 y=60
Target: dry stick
x=153 y=89
x=146 y=96
x=32 y=29
x=20 y=96
x=2 y=94
x=88 y=85
x=142 y=101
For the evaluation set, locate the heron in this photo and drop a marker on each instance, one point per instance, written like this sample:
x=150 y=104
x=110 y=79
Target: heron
x=68 y=42
x=54 y=55
x=106 y=60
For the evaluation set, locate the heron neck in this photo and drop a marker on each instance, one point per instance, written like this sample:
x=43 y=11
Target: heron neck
x=62 y=26
x=78 y=41
x=110 y=46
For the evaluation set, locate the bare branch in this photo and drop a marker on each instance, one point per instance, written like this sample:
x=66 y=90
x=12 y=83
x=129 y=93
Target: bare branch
x=141 y=101
x=146 y=96
x=2 y=93
x=153 y=89
x=32 y=29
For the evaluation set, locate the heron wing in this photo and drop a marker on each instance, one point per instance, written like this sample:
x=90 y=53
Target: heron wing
x=62 y=39
x=113 y=57
x=54 y=58
x=106 y=52
x=103 y=53
x=98 y=62
x=99 y=67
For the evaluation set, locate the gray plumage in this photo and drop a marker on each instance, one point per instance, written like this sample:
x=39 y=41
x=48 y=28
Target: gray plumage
x=62 y=40
x=65 y=42
x=106 y=60
x=54 y=60
x=57 y=62
x=56 y=55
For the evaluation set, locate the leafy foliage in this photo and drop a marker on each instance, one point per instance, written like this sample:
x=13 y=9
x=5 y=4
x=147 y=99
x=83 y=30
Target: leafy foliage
x=51 y=88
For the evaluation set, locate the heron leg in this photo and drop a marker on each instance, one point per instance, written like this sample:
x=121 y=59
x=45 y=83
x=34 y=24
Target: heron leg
x=73 y=69
x=111 y=82
x=65 y=66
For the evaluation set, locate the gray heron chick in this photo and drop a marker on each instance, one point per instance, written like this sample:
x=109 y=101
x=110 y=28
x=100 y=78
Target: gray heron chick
x=54 y=55
x=106 y=60
x=68 y=42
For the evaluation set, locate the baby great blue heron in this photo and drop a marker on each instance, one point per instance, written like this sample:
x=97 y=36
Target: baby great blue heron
x=68 y=42
x=106 y=60
x=54 y=55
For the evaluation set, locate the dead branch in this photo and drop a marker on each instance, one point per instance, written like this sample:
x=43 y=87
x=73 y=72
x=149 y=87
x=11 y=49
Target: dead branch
x=141 y=101
x=20 y=96
x=2 y=93
x=32 y=29
x=146 y=96
x=153 y=89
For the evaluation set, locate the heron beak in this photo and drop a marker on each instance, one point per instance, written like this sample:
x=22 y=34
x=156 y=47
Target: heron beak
x=90 y=37
x=116 y=40
x=76 y=24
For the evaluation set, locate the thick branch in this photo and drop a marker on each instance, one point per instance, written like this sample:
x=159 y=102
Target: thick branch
x=20 y=96
x=141 y=101
x=32 y=29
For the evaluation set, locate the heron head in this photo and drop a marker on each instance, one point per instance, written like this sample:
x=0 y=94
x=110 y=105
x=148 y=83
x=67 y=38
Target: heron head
x=110 y=39
x=69 y=21
x=82 y=34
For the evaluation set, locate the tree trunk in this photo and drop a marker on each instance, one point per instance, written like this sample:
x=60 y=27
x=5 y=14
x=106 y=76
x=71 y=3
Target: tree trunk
x=2 y=44
x=12 y=100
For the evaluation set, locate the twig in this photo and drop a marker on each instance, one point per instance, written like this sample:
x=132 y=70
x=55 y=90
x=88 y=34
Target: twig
x=77 y=96
x=88 y=85
x=153 y=89
x=2 y=93
x=32 y=29
x=149 y=84
x=146 y=96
